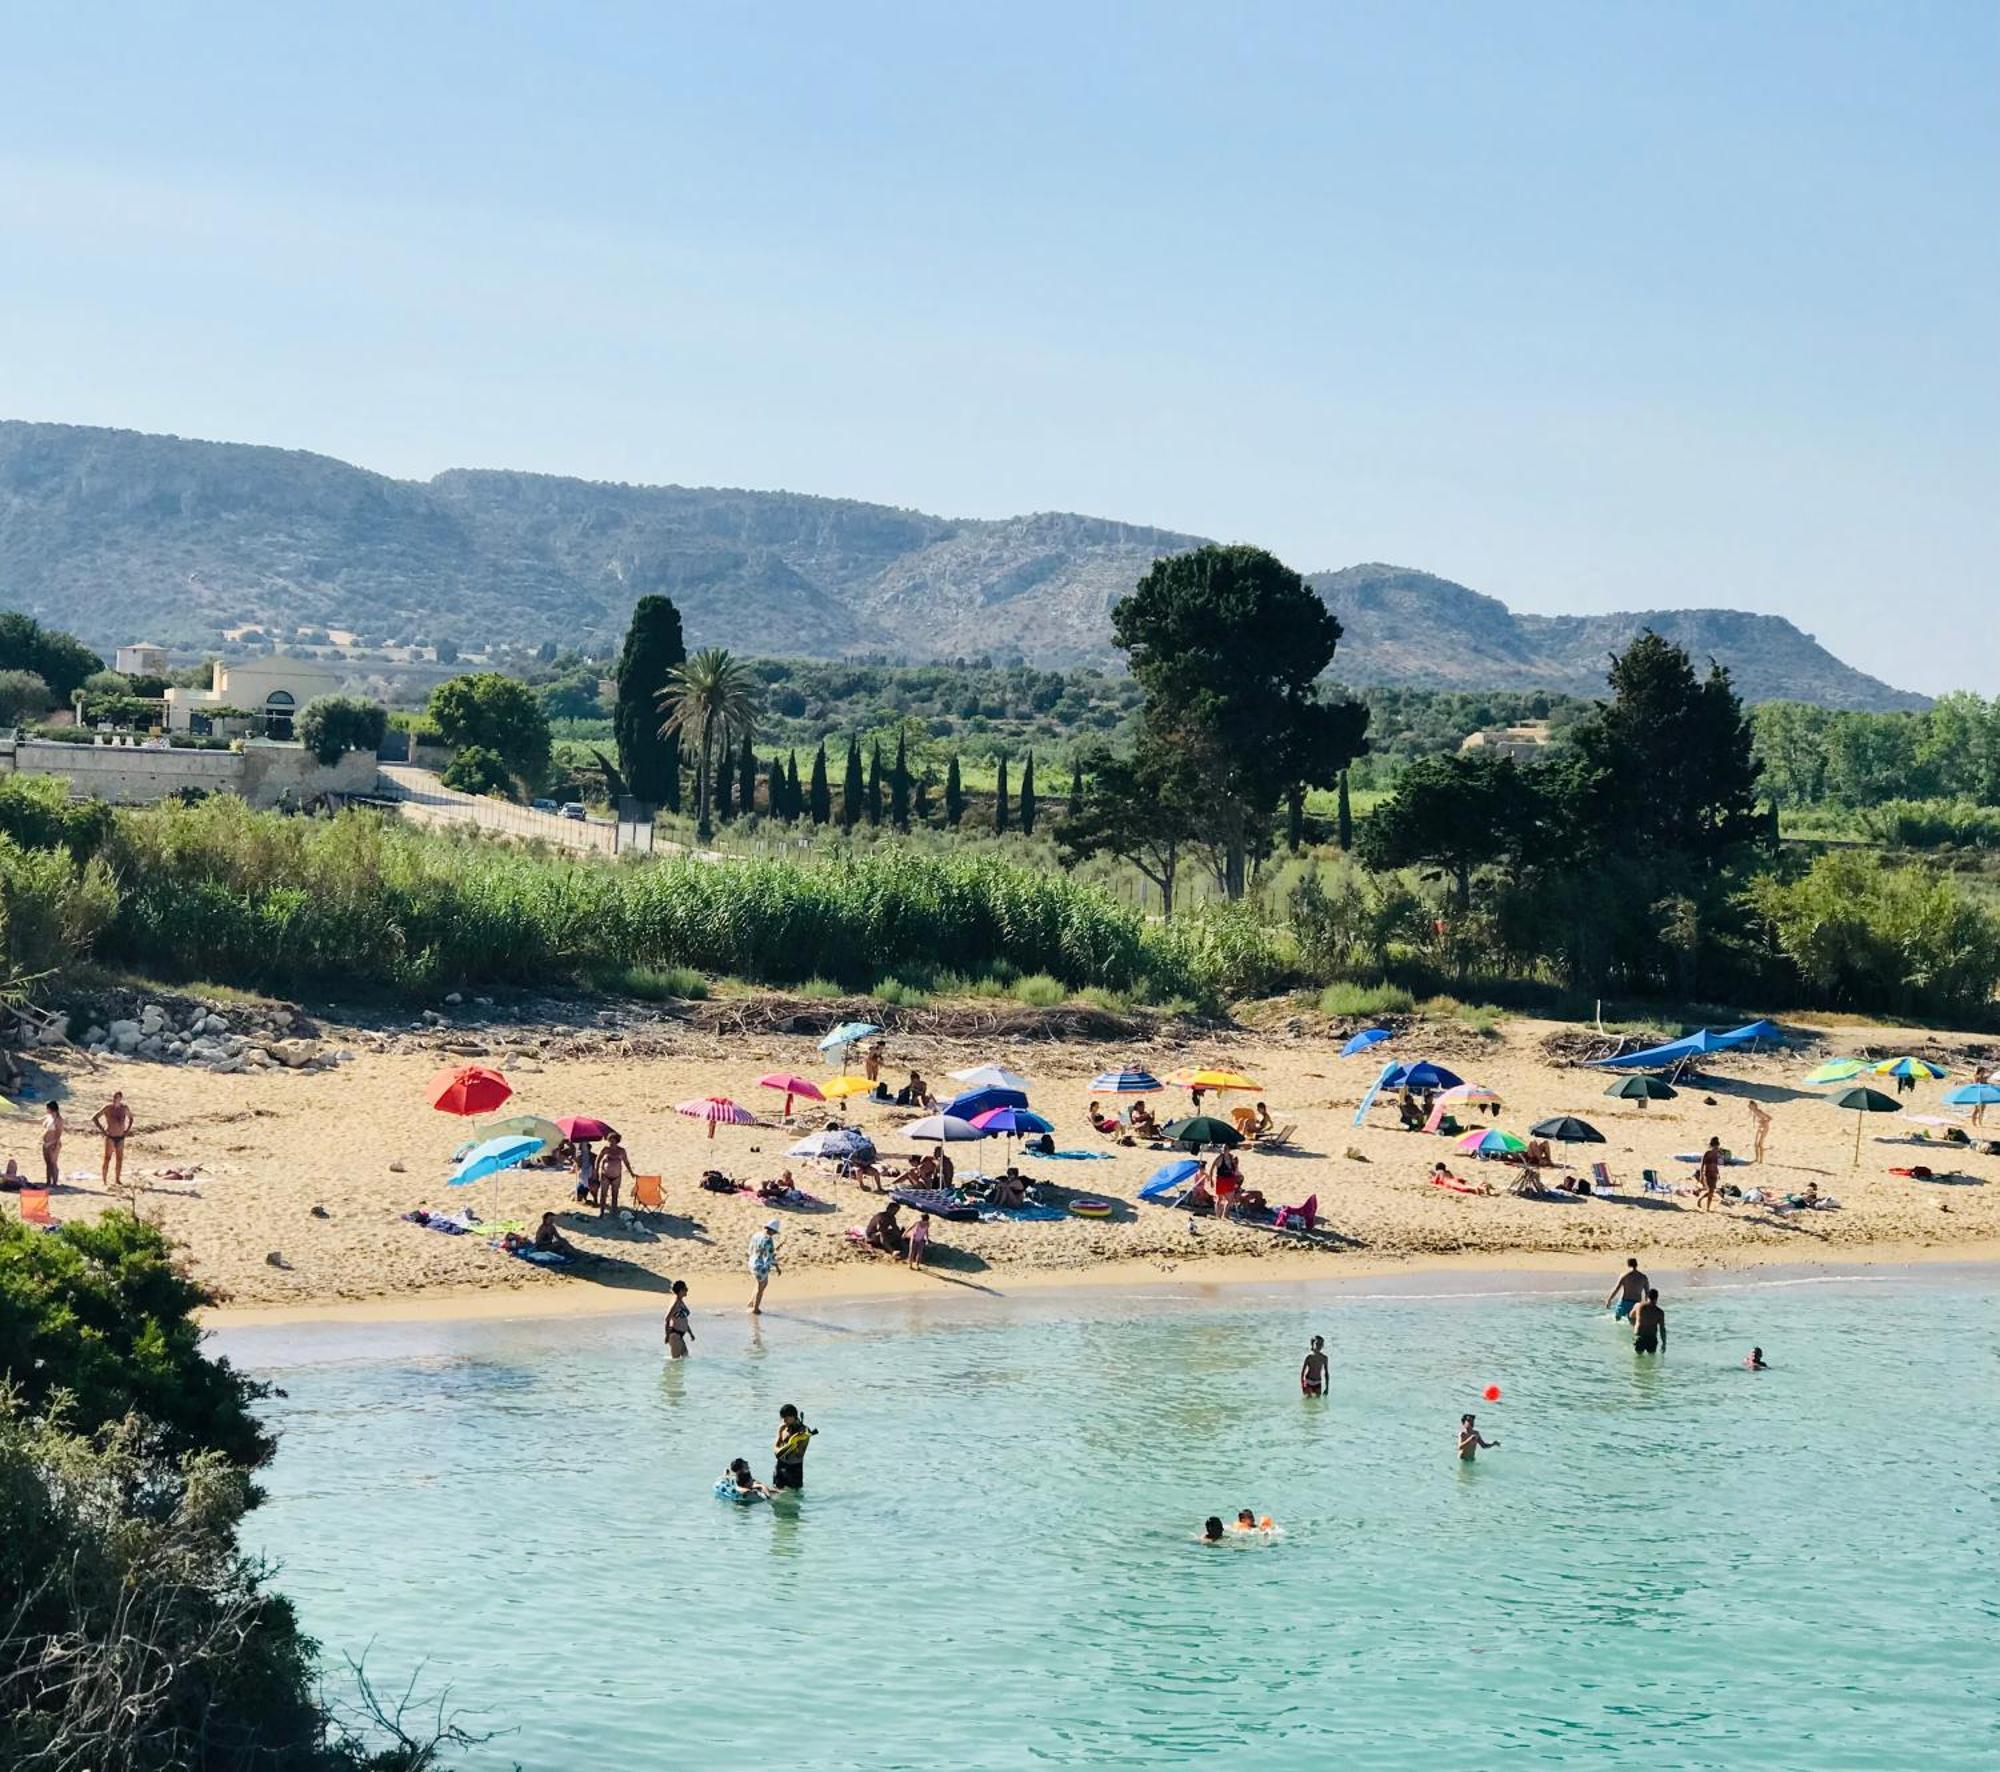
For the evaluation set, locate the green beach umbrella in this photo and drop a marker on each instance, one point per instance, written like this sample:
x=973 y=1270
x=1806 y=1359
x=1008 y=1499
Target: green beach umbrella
x=1865 y=1101
x=1202 y=1129
x=1642 y=1090
x=1567 y=1129
x=1835 y=1070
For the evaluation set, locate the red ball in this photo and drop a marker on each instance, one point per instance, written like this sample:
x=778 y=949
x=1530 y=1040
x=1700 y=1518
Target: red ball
x=1491 y=1393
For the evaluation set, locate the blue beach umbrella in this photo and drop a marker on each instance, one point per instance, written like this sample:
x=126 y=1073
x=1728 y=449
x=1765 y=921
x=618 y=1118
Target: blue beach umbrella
x=975 y=1102
x=1421 y=1075
x=493 y=1155
x=1012 y=1122
x=1169 y=1176
x=1125 y=1083
x=1909 y=1067
x=847 y=1034
x=1973 y=1095
x=1362 y=1041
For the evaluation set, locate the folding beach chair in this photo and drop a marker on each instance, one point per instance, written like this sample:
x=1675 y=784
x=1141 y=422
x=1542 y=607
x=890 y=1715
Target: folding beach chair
x=646 y=1193
x=1653 y=1183
x=35 y=1206
x=1600 y=1177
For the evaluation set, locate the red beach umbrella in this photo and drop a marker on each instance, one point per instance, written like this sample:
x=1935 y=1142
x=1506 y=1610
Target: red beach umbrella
x=468 y=1089
x=582 y=1129
x=803 y=1087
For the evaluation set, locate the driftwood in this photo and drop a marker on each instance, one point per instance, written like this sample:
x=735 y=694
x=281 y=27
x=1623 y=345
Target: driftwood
x=775 y=1013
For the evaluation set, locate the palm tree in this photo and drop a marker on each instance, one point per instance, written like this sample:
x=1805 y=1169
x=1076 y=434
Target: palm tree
x=709 y=698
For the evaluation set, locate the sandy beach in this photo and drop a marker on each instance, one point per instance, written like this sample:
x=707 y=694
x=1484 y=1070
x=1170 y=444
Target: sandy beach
x=301 y=1178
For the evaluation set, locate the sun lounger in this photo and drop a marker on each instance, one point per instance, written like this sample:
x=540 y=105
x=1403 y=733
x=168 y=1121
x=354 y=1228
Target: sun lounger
x=1278 y=1138
x=1649 y=1178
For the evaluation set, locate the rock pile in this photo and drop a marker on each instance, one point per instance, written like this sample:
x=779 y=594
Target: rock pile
x=251 y=1037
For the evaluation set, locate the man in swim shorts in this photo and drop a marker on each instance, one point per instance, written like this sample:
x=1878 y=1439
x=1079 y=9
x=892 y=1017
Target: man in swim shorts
x=1626 y=1290
x=788 y=1449
x=1649 y=1325
x=114 y=1120
x=1312 y=1375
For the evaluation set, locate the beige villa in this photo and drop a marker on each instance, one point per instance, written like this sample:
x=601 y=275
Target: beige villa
x=275 y=689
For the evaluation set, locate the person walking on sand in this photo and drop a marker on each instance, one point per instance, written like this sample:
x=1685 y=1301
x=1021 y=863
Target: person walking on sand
x=1760 y=1124
x=1312 y=1373
x=52 y=1137
x=114 y=1120
x=918 y=1247
x=1471 y=1440
x=763 y=1262
x=612 y=1168
x=679 y=1334
x=1649 y=1325
x=1626 y=1291
x=1710 y=1172
x=1980 y=1074
x=872 y=1068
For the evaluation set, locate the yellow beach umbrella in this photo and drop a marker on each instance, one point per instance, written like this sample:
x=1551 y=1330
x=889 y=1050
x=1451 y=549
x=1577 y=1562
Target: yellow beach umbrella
x=1215 y=1080
x=838 y=1087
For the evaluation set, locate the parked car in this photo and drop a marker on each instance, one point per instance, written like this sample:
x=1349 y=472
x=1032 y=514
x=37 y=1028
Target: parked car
x=573 y=809
x=542 y=805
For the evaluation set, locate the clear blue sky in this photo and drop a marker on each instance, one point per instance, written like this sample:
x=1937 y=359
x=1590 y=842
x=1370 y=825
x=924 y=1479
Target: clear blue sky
x=1589 y=306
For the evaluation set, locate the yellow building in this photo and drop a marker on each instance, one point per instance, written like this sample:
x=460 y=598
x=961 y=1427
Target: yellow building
x=275 y=689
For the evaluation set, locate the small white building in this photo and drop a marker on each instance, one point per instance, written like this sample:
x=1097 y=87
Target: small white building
x=141 y=659
x=274 y=689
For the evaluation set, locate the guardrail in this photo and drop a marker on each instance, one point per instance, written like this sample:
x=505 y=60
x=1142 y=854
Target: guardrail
x=423 y=799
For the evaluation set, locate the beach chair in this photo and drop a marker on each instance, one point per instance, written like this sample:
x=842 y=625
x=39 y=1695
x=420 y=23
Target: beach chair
x=1650 y=1178
x=35 y=1206
x=1278 y=1138
x=1600 y=1177
x=1298 y=1218
x=646 y=1193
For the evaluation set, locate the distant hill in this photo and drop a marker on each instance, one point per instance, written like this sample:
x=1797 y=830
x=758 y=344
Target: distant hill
x=119 y=536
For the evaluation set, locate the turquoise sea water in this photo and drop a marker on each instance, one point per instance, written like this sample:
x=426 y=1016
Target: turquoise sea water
x=994 y=1566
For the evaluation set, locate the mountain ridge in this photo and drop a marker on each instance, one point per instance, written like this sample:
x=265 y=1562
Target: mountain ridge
x=121 y=535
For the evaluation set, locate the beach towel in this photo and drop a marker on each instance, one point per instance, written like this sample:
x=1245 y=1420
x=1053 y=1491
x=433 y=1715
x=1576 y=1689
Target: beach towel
x=1728 y=1161
x=1020 y=1214
x=1302 y=1217
x=1070 y=1156
x=540 y=1257
x=1919 y=1173
x=35 y=1206
x=1456 y=1186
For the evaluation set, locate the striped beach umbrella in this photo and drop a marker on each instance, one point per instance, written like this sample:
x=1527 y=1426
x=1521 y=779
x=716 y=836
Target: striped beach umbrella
x=1909 y=1067
x=1835 y=1070
x=1125 y=1083
x=1492 y=1142
x=717 y=1110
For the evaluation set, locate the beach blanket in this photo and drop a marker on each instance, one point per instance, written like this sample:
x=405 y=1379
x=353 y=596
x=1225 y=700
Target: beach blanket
x=540 y=1257
x=798 y=1200
x=937 y=1202
x=1070 y=1156
x=1456 y=1186
x=1727 y=1162
x=1020 y=1214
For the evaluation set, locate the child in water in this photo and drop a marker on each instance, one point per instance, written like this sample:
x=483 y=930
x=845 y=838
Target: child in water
x=1756 y=1361
x=1312 y=1375
x=738 y=1484
x=1211 y=1530
x=1470 y=1439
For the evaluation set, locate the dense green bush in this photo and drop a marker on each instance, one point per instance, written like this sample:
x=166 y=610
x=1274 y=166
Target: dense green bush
x=1216 y=952
x=1932 y=824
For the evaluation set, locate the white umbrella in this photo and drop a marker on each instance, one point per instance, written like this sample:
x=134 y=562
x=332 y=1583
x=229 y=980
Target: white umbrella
x=992 y=1076
x=945 y=1129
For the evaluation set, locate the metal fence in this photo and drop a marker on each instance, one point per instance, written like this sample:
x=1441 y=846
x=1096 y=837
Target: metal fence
x=422 y=798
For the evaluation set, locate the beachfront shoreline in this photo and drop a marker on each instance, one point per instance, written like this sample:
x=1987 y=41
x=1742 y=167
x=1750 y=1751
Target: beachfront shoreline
x=892 y=1283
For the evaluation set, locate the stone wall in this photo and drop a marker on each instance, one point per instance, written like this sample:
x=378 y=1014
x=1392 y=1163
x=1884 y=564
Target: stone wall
x=133 y=776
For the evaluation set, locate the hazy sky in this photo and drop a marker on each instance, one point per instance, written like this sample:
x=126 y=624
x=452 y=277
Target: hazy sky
x=1589 y=306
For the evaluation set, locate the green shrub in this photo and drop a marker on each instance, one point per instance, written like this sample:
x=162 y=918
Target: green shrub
x=821 y=989
x=894 y=990
x=1342 y=1001
x=658 y=984
x=1217 y=952
x=1039 y=991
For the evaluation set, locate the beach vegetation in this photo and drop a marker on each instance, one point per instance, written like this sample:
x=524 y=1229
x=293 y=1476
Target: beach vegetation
x=1345 y=1001
x=1039 y=991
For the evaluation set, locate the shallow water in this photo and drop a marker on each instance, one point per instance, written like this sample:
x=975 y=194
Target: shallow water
x=994 y=1565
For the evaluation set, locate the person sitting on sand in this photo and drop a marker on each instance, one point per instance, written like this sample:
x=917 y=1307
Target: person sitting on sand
x=550 y=1240
x=1010 y=1191
x=919 y=1245
x=885 y=1230
x=1102 y=1122
x=1142 y=1122
x=1756 y=1361
x=781 y=1189
x=1211 y=1529
x=1265 y=1125
x=1471 y=1441
x=1408 y=1112
x=11 y=1177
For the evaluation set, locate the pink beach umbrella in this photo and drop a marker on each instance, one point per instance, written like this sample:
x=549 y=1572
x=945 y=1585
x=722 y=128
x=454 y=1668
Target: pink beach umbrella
x=803 y=1087
x=717 y=1110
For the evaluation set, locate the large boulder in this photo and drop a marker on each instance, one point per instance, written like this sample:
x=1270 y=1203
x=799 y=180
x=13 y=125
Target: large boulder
x=294 y=1053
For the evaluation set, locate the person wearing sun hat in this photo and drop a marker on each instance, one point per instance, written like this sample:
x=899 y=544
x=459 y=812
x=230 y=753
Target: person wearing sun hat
x=763 y=1261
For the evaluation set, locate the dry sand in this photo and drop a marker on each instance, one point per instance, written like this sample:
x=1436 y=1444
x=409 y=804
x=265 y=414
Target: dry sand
x=271 y=1147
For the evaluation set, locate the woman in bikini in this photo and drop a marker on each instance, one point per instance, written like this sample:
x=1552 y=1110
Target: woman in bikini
x=679 y=1334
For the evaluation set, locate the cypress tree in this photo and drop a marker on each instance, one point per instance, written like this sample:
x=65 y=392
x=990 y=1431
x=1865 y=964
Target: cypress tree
x=723 y=794
x=920 y=797
x=1295 y=816
x=1028 y=796
x=822 y=795
x=774 y=789
x=649 y=759
x=954 y=794
x=1346 y=830
x=875 y=782
x=1000 y=799
x=746 y=778
x=794 y=800
x=850 y=787
x=1076 y=789
x=899 y=784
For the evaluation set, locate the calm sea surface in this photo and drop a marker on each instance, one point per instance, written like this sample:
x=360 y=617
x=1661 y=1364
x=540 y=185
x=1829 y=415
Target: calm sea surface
x=1675 y=1561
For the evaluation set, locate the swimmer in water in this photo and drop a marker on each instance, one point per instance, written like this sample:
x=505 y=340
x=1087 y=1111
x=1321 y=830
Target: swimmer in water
x=1756 y=1361
x=1246 y=1521
x=1470 y=1439
x=1211 y=1529
x=1312 y=1375
x=738 y=1477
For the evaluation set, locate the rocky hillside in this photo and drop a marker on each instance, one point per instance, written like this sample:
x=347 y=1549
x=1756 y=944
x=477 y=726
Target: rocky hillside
x=120 y=536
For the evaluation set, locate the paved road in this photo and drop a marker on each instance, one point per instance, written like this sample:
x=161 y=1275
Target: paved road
x=426 y=800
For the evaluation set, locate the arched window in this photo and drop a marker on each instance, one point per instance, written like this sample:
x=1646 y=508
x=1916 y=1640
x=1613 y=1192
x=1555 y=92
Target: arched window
x=279 y=706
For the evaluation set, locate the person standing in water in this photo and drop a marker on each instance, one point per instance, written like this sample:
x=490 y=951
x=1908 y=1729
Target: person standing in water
x=1626 y=1291
x=1756 y=1361
x=1471 y=1440
x=1760 y=1123
x=114 y=1121
x=1312 y=1374
x=679 y=1334
x=1649 y=1325
x=788 y=1449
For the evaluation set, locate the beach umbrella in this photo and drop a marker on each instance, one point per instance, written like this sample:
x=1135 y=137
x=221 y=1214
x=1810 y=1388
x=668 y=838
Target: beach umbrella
x=1470 y=1092
x=1215 y=1080
x=1642 y=1090
x=1012 y=1122
x=1567 y=1129
x=1180 y=1173
x=1421 y=1075
x=1865 y=1101
x=717 y=1110
x=945 y=1129
x=1909 y=1067
x=531 y=1126
x=468 y=1089
x=839 y=1088
x=1201 y=1129
x=992 y=1076
x=1138 y=1082
x=847 y=1034
x=1835 y=1070
x=582 y=1129
x=1362 y=1041
x=974 y=1102
x=492 y=1155
x=834 y=1143
x=1492 y=1142
x=1972 y=1095
x=802 y=1087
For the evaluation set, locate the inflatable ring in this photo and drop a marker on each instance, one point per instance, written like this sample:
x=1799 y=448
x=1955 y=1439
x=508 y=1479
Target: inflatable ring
x=1092 y=1208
